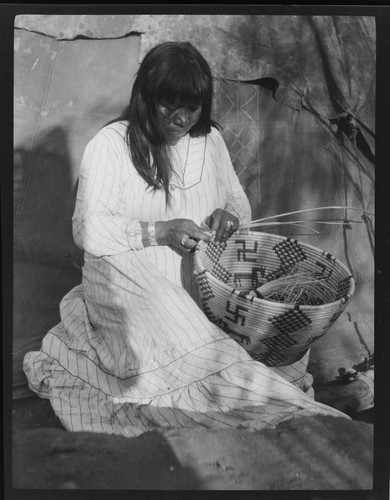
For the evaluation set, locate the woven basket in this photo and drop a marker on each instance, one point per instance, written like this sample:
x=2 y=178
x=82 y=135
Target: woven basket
x=274 y=333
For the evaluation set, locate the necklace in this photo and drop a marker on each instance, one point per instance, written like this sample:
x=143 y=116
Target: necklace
x=198 y=177
x=181 y=179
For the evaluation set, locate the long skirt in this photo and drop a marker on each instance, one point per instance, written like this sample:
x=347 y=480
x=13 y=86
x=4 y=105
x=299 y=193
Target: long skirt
x=134 y=352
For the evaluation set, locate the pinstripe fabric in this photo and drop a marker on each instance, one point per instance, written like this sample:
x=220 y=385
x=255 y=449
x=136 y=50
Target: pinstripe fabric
x=133 y=350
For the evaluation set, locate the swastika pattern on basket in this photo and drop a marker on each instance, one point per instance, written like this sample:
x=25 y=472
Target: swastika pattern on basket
x=246 y=254
x=237 y=312
x=274 y=332
x=290 y=321
x=256 y=276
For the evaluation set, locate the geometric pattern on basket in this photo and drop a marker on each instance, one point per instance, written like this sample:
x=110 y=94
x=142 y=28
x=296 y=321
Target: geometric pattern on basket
x=290 y=321
x=278 y=342
x=245 y=254
x=220 y=273
x=329 y=256
x=271 y=358
x=214 y=252
x=326 y=271
x=204 y=285
x=343 y=287
x=208 y=312
x=277 y=273
x=289 y=252
x=286 y=321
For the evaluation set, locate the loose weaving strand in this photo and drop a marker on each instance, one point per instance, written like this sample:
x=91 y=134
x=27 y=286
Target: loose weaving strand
x=298 y=287
x=265 y=220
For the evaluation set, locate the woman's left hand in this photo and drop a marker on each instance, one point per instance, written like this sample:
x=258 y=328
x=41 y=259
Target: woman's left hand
x=222 y=224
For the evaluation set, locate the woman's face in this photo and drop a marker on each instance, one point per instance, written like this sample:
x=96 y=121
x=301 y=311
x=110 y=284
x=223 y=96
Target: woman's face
x=178 y=120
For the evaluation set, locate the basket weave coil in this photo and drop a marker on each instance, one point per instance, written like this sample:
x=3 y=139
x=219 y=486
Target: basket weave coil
x=274 y=333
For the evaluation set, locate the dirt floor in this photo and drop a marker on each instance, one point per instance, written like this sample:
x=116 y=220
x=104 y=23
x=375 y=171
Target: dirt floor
x=310 y=453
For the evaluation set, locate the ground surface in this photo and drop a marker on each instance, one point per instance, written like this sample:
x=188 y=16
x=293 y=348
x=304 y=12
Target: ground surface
x=313 y=453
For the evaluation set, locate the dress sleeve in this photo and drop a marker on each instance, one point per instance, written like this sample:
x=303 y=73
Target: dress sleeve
x=236 y=200
x=98 y=227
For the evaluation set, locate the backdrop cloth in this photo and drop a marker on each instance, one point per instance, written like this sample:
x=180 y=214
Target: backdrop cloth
x=327 y=61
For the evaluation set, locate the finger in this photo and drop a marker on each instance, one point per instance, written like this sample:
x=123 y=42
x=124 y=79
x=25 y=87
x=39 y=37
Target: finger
x=184 y=243
x=228 y=228
x=232 y=221
x=191 y=244
x=205 y=228
x=207 y=222
x=197 y=233
x=229 y=231
x=223 y=230
x=216 y=221
x=188 y=244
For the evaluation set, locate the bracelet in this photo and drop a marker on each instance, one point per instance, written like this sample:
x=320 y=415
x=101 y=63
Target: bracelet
x=152 y=234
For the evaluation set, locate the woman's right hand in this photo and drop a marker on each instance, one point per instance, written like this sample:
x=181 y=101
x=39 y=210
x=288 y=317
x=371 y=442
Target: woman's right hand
x=183 y=234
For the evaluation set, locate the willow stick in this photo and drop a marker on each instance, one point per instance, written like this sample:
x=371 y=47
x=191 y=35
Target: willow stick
x=251 y=225
x=305 y=210
x=271 y=224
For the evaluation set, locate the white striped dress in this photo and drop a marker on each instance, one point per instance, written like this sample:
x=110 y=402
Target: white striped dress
x=133 y=351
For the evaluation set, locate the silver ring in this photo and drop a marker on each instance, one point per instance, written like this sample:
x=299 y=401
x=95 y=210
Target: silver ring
x=229 y=224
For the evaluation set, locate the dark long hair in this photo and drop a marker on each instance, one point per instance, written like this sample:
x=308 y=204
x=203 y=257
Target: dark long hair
x=175 y=73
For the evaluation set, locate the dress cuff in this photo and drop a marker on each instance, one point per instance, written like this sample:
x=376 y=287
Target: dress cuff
x=134 y=235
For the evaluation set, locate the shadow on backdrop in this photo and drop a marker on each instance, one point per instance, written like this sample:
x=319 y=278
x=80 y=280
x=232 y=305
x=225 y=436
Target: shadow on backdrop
x=47 y=263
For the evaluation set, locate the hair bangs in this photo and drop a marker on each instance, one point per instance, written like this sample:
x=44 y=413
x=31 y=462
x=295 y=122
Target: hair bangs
x=184 y=87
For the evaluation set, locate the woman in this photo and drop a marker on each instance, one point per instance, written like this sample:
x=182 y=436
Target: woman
x=133 y=350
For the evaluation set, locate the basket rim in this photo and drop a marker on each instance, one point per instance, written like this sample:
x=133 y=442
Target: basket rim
x=256 y=300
